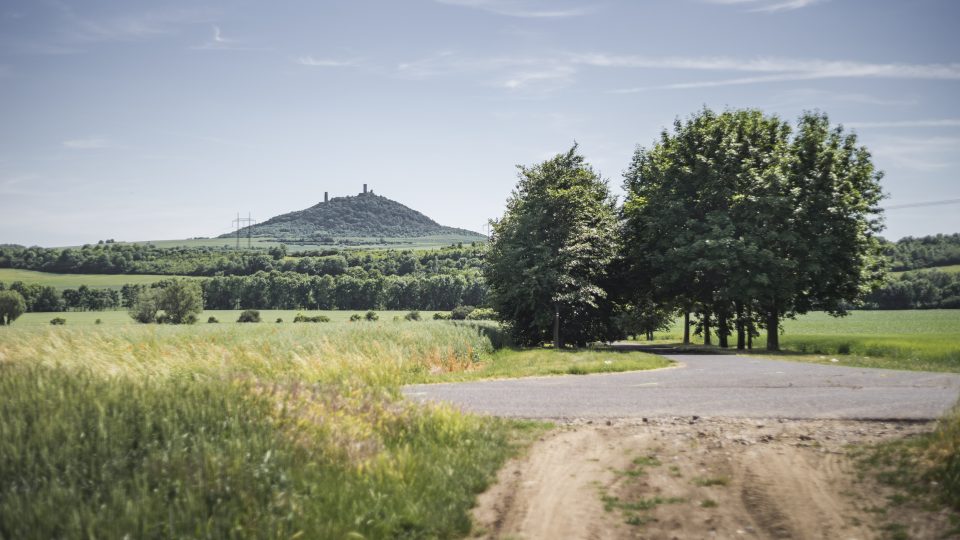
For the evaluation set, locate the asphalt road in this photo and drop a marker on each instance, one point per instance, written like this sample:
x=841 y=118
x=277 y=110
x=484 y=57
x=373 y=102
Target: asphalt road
x=711 y=385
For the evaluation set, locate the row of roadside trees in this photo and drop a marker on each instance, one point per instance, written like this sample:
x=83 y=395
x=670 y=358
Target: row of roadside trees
x=733 y=219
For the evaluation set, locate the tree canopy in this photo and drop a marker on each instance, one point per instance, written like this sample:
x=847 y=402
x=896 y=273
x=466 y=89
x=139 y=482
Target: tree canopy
x=12 y=306
x=738 y=218
x=550 y=254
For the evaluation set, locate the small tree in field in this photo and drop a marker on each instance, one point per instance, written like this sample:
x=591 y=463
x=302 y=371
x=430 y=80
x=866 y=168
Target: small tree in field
x=144 y=308
x=12 y=305
x=181 y=301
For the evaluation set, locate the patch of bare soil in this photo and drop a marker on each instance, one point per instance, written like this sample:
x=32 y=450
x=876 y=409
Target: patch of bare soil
x=701 y=478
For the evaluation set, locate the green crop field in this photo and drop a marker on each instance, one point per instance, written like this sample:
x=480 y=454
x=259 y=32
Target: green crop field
x=907 y=339
x=72 y=281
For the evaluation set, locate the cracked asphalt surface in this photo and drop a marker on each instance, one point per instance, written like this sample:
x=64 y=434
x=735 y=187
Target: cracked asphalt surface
x=711 y=385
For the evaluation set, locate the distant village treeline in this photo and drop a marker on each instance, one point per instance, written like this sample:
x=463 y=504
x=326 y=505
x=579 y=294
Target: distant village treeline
x=351 y=279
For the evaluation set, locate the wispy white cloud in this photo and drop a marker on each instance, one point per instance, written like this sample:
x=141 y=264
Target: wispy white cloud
x=813 y=98
x=768 y=6
x=69 y=30
x=93 y=143
x=326 y=62
x=555 y=76
x=130 y=27
x=219 y=42
x=520 y=8
x=933 y=123
x=917 y=153
x=771 y=69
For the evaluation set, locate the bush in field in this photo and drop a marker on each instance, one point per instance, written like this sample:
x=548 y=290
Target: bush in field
x=98 y=321
x=144 y=309
x=355 y=317
x=371 y=316
x=59 y=321
x=249 y=316
x=12 y=305
x=460 y=313
x=279 y=320
x=315 y=319
x=482 y=314
x=441 y=316
x=212 y=320
x=412 y=316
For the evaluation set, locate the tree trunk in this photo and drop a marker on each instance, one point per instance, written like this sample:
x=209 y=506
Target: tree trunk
x=740 y=327
x=722 y=329
x=706 y=328
x=556 y=325
x=649 y=335
x=686 y=327
x=773 y=330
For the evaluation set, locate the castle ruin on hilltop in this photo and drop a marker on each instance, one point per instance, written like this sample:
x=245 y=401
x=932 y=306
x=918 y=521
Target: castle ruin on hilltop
x=326 y=194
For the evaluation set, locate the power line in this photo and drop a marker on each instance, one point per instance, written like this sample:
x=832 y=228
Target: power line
x=920 y=204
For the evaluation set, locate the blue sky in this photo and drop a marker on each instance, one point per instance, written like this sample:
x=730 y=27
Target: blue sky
x=150 y=120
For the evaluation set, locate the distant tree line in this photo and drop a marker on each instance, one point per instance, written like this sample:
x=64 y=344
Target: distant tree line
x=114 y=258
x=921 y=289
x=292 y=290
x=279 y=290
x=911 y=253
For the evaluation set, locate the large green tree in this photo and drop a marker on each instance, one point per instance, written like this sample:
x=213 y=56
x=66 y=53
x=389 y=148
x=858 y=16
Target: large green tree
x=550 y=254
x=729 y=216
x=12 y=305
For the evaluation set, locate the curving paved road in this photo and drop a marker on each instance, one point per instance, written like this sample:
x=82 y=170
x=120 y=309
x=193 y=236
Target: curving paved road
x=708 y=385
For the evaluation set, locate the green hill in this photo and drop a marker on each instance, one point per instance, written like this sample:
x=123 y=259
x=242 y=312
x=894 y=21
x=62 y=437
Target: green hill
x=363 y=215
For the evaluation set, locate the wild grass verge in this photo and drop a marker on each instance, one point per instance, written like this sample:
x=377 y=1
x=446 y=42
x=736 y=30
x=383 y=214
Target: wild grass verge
x=927 y=465
x=266 y=432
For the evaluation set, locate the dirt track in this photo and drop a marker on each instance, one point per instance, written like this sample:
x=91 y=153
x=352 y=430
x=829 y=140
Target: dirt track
x=715 y=478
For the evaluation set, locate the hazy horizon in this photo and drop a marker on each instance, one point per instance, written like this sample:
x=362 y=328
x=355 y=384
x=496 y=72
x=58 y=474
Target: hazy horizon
x=137 y=121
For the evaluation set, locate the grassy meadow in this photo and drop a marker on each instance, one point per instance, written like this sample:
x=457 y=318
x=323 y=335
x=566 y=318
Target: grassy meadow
x=252 y=430
x=73 y=281
x=239 y=431
x=927 y=340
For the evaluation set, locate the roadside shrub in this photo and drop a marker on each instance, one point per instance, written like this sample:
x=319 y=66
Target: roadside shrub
x=460 y=313
x=249 y=316
x=441 y=316
x=355 y=317
x=371 y=316
x=59 y=321
x=212 y=320
x=412 y=316
x=315 y=319
x=482 y=314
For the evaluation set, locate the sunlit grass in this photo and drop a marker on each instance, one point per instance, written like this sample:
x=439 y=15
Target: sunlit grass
x=925 y=465
x=927 y=340
x=508 y=363
x=239 y=431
